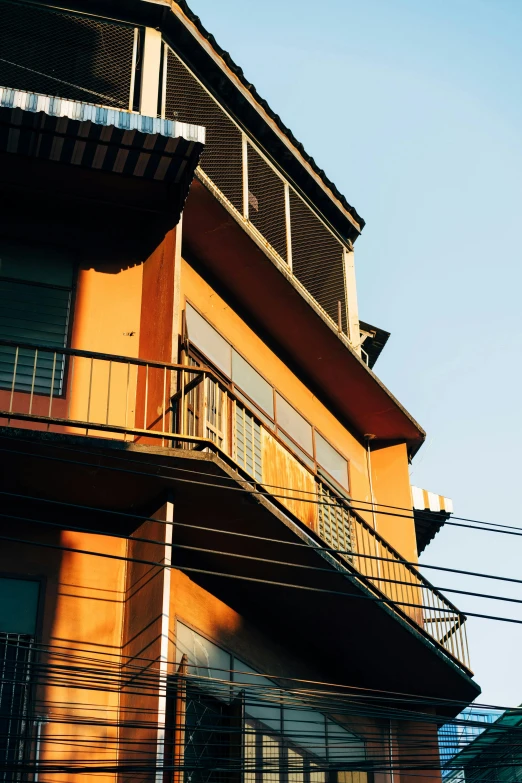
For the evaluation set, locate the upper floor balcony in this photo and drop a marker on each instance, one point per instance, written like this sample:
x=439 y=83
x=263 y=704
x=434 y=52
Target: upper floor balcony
x=191 y=408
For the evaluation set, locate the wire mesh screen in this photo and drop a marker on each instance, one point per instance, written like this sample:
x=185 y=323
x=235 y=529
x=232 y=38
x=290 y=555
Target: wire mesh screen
x=15 y=660
x=187 y=101
x=266 y=202
x=317 y=259
x=55 y=53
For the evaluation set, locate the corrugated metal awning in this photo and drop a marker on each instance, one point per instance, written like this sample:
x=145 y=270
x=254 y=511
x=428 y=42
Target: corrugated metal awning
x=430 y=512
x=95 y=137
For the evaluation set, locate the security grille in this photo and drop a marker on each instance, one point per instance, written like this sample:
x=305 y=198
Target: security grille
x=73 y=56
x=187 y=101
x=317 y=259
x=335 y=524
x=266 y=201
x=247 y=443
x=15 y=660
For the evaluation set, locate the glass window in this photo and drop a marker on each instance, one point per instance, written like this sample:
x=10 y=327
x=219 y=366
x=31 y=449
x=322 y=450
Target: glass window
x=35 y=298
x=305 y=728
x=342 y=744
x=204 y=659
x=330 y=459
x=18 y=606
x=249 y=380
x=209 y=341
x=294 y=424
x=262 y=697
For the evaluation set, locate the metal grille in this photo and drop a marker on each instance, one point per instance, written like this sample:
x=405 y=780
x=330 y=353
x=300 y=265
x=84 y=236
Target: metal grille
x=247 y=443
x=335 y=522
x=54 y=53
x=266 y=202
x=317 y=259
x=15 y=660
x=187 y=101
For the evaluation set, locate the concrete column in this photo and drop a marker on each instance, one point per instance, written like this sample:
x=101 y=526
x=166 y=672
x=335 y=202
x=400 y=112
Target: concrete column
x=352 y=315
x=150 y=72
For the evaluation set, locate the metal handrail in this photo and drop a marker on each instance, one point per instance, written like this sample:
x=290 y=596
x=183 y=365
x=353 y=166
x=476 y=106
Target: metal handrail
x=337 y=524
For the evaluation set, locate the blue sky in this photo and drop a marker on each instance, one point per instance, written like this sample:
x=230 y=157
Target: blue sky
x=414 y=109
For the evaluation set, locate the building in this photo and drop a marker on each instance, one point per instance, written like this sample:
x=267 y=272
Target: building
x=494 y=755
x=455 y=735
x=209 y=543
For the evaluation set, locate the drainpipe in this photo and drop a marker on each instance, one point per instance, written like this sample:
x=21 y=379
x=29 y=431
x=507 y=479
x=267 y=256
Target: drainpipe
x=369 y=438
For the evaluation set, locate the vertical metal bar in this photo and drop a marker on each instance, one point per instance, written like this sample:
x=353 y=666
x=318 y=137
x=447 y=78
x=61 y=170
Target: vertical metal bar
x=33 y=379
x=52 y=387
x=89 y=396
x=164 y=396
x=133 y=68
x=183 y=398
x=164 y=81
x=465 y=630
x=108 y=394
x=15 y=367
x=288 y=226
x=127 y=400
x=146 y=397
x=244 y=162
x=339 y=316
x=70 y=388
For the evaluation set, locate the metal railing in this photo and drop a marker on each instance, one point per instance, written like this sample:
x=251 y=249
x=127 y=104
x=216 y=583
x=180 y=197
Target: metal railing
x=188 y=406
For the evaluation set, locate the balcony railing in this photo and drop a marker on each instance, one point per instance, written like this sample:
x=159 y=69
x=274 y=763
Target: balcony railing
x=188 y=406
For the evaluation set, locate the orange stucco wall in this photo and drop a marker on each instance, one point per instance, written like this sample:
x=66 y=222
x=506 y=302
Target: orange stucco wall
x=81 y=627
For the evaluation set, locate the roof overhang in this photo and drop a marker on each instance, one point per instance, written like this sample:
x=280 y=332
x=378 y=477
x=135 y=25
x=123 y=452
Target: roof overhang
x=430 y=513
x=153 y=160
x=281 y=312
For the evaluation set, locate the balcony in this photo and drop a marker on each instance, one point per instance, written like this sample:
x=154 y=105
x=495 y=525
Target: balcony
x=189 y=408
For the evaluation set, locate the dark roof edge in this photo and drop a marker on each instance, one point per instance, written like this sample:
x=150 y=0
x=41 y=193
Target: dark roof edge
x=265 y=106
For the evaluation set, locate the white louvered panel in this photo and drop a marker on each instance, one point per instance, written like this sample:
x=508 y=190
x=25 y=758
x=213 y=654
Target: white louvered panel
x=247 y=442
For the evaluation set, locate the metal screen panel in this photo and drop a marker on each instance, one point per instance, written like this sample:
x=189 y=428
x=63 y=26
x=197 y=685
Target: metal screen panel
x=334 y=522
x=247 y=443
x=317 y=259
x=266 y=202
x=187 y=101
x=55 y=53
x=15 y=660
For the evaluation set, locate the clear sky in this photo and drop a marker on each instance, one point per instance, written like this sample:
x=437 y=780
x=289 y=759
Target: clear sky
x=414 y=110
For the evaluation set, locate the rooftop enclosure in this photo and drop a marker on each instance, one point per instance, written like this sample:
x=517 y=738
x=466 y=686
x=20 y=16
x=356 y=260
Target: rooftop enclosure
x=273 y=193
x=190 y=407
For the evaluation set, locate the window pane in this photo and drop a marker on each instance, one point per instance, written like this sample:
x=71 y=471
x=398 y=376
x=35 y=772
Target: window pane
x=295 y=767
x=294 y=424
x=271 y=760
x=330 y=459
x=291 y=445
x=18 y=606
x=305 y=728
x=262 y=697
x=252 y=383
x=209 y=341
x=205 y=659
x=342 y=744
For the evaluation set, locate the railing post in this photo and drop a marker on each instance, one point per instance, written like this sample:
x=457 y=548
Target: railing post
x=244 y=172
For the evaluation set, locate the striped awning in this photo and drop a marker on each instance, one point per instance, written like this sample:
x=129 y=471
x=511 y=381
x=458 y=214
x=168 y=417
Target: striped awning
x=96 y=137
x=430 y=512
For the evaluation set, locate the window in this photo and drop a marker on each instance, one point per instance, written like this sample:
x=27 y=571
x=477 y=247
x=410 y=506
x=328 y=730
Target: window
x=208 y=340
x=294 y=425
x=252 y=383
x=282 y=740
x=18 y=613
x=35 y=299
x=330 y=459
